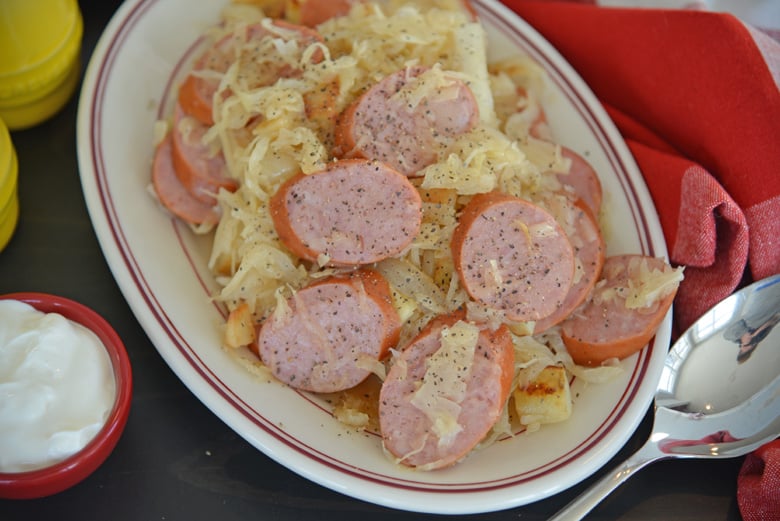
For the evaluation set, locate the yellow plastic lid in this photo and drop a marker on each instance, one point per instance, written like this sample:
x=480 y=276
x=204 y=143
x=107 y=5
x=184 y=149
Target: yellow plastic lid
x=40 y=41
x=9 y=199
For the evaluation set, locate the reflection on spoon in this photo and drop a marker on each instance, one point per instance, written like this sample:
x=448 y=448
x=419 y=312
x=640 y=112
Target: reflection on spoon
x=749 y=337
x=670 y=444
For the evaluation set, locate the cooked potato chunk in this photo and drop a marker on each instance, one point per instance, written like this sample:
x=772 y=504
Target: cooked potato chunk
x=547 y=399
x=240 y=328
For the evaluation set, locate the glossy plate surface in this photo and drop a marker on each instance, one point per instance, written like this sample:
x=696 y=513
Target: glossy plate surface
x=160 y=267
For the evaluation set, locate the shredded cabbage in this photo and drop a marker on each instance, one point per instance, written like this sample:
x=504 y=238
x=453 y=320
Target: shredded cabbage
x=648 y=286
x=272 y=129
x=446 y=379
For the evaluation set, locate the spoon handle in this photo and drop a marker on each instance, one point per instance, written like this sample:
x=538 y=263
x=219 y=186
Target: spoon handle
x=592 y=496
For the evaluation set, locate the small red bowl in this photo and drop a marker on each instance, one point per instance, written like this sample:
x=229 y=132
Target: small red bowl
x=70 y=471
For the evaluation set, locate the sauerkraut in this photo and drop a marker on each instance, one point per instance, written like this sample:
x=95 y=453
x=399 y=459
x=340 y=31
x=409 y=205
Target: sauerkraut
x=269 y=131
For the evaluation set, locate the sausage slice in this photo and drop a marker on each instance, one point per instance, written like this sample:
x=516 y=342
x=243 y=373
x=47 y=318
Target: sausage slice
x=513 y=256
x=353 y=212
x=445 y=392
x=311 y=13
x=330 y=333
x=172 y=194
x=196 y=93
x=201 y=171
x=581 y=181
x=406 y=118
x=610 y=324
x=585 y=236
x=314 y=12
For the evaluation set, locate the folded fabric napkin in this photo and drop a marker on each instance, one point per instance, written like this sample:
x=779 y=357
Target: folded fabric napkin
x=695 y=95
x=759 y=483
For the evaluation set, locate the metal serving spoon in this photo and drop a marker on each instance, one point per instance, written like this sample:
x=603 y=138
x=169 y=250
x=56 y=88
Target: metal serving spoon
x=719 y=393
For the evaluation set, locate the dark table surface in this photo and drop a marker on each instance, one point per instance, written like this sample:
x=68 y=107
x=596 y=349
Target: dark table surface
x=176 y=459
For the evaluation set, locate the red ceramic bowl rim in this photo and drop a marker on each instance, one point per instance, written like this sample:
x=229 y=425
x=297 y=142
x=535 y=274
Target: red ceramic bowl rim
x=72 y=470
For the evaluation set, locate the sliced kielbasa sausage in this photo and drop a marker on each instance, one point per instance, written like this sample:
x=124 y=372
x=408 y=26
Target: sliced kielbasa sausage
x=172 y=194
x=353 y=212
x=201 y=171
x=330 y=333
x=196 y=93
x=513 y=256
x=445 y=391
x=624 y=310
x=311 y=13
x=406 y=118
x=581 y=181
x=584 y=234
x=314 y=12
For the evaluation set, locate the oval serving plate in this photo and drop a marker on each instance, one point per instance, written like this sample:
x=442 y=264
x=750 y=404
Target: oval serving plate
x=160 y=267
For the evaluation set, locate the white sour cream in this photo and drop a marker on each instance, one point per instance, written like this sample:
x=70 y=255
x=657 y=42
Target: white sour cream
x=57 y=387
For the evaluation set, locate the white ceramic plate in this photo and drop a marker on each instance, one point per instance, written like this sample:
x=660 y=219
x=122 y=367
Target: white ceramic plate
x=161 y=269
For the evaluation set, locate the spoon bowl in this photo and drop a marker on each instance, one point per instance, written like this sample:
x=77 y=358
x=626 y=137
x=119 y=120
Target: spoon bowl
x=719 y=391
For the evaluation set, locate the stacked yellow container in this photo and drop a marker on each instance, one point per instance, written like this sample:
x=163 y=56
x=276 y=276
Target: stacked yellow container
x=40 y=42
x=9 y=200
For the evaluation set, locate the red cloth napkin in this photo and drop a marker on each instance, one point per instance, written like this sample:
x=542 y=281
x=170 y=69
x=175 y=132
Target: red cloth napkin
x=758 y=484
x=695 y=95
x=698 y=103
